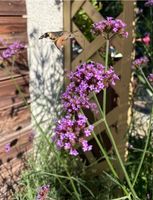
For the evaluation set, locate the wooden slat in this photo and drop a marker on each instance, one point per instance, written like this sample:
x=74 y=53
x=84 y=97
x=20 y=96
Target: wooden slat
x=17 y=150
x=12 y=24
x=12 y=29
x=97 y=58
x=80 y=38
x=76 y=5
x=67 y=27
x=9 y=94
x=93 y=14
x=86 y=54
x=10 y=37
x=8 y=123
x=15 y=7
x=15 y=134
x=89 y=155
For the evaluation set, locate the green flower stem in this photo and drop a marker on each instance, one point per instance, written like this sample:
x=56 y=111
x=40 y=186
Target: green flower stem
x=102 y=150
x=73 y=186
x=145 y=148
x=98 y=122
x=106 y=65
x=107 y=53
x=106 y=156
x=120 y=160
x=115 y=147
x=146 y=80
x=123 y=198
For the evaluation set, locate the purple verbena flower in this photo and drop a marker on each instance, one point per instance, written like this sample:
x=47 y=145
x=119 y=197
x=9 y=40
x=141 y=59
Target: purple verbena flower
x=12 y=50
x=149 y=3
x=140 y=62
x=150 y=78
x=85 y=145
x=88 y=77
x=7 y=148
x=42 y=192
x=74 y=133
x=110 y=27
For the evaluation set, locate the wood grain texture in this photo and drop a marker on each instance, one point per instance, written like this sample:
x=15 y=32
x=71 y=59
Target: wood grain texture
x=15 y=116
x=9 y=93
x=15 y=7
x=117 y=104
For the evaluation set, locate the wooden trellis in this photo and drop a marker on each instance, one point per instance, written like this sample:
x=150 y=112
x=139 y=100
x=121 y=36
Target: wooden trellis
x=117 y=106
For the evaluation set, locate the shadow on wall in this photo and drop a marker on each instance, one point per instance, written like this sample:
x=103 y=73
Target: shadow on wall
x=46 y=80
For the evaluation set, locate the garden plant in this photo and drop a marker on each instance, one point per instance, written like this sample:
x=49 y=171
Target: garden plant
x=55 y=170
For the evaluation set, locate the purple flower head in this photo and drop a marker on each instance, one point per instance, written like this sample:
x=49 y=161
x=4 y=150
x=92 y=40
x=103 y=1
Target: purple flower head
x=140 y=62
x=87 y=78
x=150 y=78
x=70 y=133
x=74 y=152
x=7 y=148
x=12 y=50
x=42 y=192
x=86 y=146
x=110 y=27
x=149 y=3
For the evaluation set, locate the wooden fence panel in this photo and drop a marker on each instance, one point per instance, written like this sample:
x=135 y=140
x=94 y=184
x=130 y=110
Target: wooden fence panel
x=117 y=105
x=15 y=126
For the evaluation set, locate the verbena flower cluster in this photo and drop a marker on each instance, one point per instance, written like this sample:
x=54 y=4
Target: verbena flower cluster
x=87 y=78
x=150 y=78
x=43 y=192
x=149 y=3
x=73 y=130
x=110 y=26
x=140 y=62
x=11 y=50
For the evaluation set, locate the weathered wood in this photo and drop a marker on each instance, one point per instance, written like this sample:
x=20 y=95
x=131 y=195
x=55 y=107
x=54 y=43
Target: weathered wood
x=67 y=27
x=16 y=35
x=18 y=120
x=117 y=104
x=80 y=38
x=86 y=54
x=92 y=12
x=10 y=95
x=76 y=6
x=15 y=128
x=12 y=25
x=15 y=7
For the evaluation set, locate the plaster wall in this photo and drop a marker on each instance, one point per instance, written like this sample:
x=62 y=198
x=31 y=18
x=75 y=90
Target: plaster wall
x=45 y=60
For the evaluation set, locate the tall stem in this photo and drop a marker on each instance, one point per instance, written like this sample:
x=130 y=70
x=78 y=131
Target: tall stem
x=145 y=148
x=120 y=160
x=106 y=65
x=147 y=82
x=115 y=148
x=103 y=151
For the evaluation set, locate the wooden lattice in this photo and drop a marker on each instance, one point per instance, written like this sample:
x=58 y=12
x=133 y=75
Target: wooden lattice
x=117 y=106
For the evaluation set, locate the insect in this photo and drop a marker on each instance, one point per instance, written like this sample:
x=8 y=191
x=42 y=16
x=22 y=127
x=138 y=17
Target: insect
x=59 y=38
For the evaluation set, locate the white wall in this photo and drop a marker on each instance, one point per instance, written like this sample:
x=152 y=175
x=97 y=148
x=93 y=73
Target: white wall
x=45 y=60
